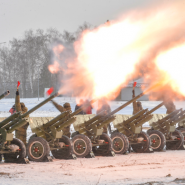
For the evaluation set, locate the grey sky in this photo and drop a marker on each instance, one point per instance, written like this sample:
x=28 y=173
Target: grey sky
x=16 y=16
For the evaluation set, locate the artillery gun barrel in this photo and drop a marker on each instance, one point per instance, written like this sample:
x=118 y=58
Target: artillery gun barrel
x=4 y=94
x=97 y=122
x=133 y=99
x=177 y=120
x=141 y=112
x=151 y=111
x=54 y=120
x=141 y=122
x=18 y=125
x=166 y=117
x=155 y=108
x=89 y=122
x=78 y=111
x=40 y=105
x=30 y=111
x=8 y=119
x=93 y=121
x=166 y=120
x=177 y=116
x=107 y=121
x=141 y=117
x=66 y=123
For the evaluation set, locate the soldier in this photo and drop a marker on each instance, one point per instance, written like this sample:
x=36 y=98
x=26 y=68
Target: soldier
x=65 y=107
x=79 y=105
x=20 y=133
x=137 y=106
x=104 y=106
x=170 y=107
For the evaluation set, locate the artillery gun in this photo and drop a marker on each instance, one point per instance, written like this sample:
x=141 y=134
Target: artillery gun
x=4 y=94
x=131 y=126
x=167 y=125
x=89 y=136
x=49 y=136
x=14 y=149
x=89 y=133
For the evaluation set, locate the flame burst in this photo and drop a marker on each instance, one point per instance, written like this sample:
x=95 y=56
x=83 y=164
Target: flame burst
x=104 y=59
x=171 y=65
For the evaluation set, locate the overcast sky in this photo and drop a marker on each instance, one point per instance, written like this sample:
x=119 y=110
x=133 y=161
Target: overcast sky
x=16 y=16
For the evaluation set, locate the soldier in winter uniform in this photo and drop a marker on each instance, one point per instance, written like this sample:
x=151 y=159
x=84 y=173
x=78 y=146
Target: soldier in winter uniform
x=65 y=107
x=21 y=132
x=170 y=107
x=104 y=106
x=137 y=106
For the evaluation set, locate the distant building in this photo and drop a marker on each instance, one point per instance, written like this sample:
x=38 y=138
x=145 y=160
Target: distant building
x=126 y=92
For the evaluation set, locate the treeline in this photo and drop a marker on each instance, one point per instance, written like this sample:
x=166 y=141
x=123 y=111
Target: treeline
x=26 y=59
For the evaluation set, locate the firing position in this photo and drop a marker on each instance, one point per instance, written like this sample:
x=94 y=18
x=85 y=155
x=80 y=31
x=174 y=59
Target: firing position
x=65 y=107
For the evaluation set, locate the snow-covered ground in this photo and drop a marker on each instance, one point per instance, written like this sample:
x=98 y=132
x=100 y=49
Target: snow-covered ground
x=158 y=168
x=48 y=110
x=161 y=168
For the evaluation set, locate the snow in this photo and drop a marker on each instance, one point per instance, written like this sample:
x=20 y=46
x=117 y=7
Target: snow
x=121 y=169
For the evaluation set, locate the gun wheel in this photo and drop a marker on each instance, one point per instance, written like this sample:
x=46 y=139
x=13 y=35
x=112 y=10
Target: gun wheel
x=37 y=149
x=82 y=145
x=120 y=143
x=19 y=155
x=144 y=146
x=32 y=136
x=66 y=152
x=178 y=141
x=106 y=149
x=149 y=130
x=158 y=140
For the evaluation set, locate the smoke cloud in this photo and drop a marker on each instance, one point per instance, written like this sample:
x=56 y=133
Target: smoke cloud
x=104 y=59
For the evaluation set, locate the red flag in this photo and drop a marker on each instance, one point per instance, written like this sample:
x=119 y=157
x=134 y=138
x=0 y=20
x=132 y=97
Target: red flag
x=18 y=83
x=135 y=83
x=50 y=91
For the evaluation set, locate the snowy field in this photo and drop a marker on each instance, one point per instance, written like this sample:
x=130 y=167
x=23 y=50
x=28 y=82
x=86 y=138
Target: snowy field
x=149 y=169
x=153 y=168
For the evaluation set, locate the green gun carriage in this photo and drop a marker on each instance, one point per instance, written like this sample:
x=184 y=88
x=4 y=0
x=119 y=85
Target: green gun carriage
x=89 y=134
x=131 y=126
x=49 y=137
x=12 y=148
x=89 y=138
x=167 y=126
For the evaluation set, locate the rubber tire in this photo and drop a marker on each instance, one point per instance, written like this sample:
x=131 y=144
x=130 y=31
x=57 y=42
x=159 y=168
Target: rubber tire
x=171 y=146
x=108 y=149
x=64 y=153
x=149 y=130
x=139 y=148
x=32 y=136
x=45 y=145
x=86 y=141
x=74 y=134
x=125 y=142
x=159 y=134
x=11 y=157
